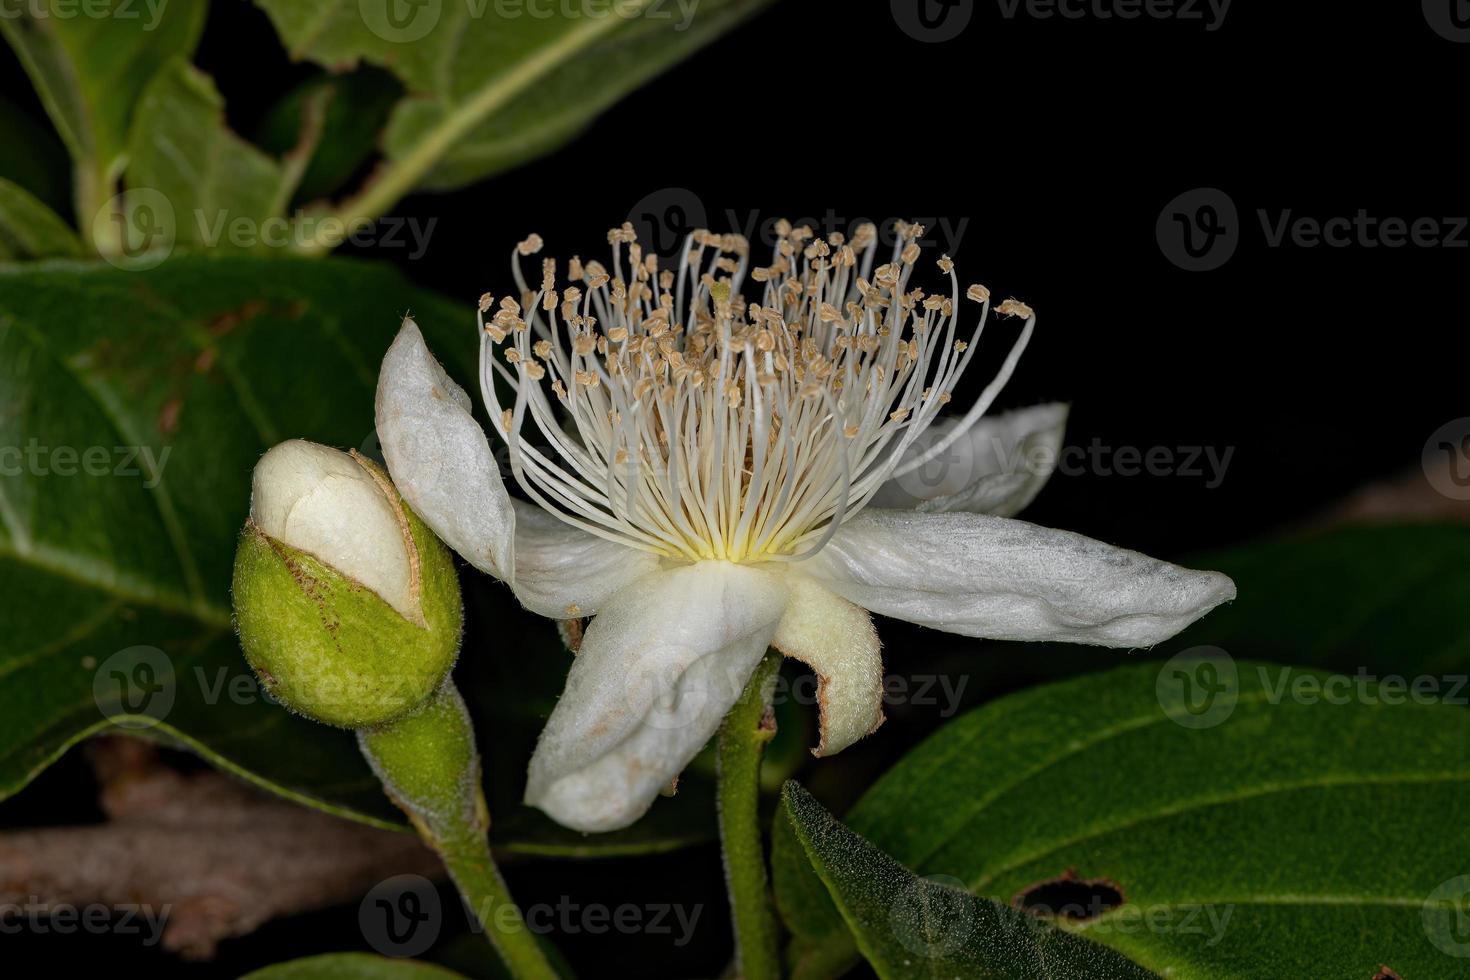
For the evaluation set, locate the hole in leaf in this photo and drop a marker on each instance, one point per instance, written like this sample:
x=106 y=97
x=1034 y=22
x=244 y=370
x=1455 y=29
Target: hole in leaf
x=1070 y=897
x=1385 y=973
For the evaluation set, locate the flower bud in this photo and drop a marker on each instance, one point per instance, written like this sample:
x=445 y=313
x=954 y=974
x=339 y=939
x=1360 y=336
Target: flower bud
x=347 y=606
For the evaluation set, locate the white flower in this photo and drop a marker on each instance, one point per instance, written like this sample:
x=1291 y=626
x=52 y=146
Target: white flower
x=707 y=474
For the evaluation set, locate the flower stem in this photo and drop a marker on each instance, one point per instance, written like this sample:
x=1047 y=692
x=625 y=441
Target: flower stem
x=742 y=741
x=430 y=767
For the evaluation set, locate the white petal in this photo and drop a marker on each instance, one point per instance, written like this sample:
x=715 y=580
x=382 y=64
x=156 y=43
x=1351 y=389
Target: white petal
x=837 y=640
x=1008 y=580
x=439 y=458
x=564 y=572
x=997 y=467
x=657 y=672
x=322 y=501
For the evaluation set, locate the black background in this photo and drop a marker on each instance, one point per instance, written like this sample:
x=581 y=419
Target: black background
x=1058 y=142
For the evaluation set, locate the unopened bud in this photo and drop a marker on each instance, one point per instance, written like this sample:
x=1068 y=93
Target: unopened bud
x=347 y=606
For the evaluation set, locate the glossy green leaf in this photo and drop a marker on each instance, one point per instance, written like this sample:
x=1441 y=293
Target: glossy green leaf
x=218 y=188
x=493 y=85
x=907 y=926
x=137 y=404
x=31 y=230
x=90 y=66
x=1252 y=828
x=351 y=966
x=356 y=107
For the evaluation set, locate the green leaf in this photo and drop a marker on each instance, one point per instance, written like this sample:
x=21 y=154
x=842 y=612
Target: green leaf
x=356 y=106
x=1386 y=598
x=136 y=406
x=490 y=91
x=351 y=966
x=211 y=180
x=1289 y=836
x=909 y=926
x=91 y=71
x=31 y=230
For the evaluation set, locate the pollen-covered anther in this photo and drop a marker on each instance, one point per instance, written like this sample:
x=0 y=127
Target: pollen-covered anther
x=701 y=423
x=1014 y=307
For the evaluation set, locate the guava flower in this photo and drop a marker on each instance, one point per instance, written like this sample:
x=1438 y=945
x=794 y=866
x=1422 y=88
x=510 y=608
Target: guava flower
x=708 y=478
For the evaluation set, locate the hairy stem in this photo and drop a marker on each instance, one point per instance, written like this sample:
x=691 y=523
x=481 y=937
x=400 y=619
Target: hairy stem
x=430 y=767
x=742 y=741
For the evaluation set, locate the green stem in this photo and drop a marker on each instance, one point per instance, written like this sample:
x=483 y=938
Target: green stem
x=431 y=770
x=742 y=741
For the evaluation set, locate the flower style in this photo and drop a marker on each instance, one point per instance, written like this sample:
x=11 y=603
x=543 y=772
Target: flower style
x=713 y=476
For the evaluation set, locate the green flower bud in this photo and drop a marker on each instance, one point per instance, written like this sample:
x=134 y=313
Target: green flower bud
x=347 y=606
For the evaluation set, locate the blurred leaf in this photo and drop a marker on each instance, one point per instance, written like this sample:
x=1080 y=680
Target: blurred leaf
x=909 y=926
x=210 y=178
x=38 y=164
x=1286 y=837
x=31 y=230
x=490 y=91
x=1387 y=598
x=357 y=108
x=135 y=405
x=90 y=72
x=351 y=966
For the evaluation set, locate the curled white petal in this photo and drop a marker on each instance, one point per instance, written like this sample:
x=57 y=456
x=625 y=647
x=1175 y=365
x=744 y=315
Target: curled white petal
x=564 y=572
x=997 y=467
x=657 y=671
x=837 y=640
x=439 y=457
x=322 y=501
x=1005 y=579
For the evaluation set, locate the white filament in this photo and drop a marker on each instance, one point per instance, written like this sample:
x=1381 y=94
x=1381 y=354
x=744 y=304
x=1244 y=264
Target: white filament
x=698 y=425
